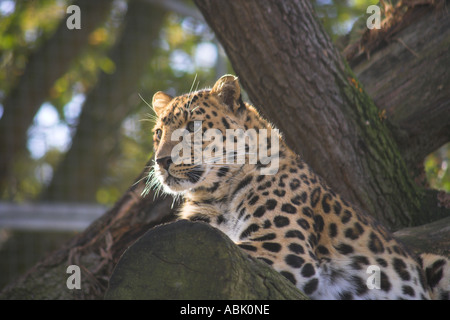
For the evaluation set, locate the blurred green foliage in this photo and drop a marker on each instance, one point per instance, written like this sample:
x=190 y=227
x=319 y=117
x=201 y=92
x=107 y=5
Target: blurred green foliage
x=338 y=16
x=177 y=61
x=21 y=31
x=437 y=168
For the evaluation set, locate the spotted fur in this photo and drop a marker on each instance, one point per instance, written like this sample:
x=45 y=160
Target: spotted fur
x=289 y=219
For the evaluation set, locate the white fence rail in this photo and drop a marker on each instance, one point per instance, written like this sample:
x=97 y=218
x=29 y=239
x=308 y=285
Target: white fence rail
x=61 y=217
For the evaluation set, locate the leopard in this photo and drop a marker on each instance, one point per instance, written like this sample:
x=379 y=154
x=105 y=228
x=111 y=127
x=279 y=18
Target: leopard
x=274 y=206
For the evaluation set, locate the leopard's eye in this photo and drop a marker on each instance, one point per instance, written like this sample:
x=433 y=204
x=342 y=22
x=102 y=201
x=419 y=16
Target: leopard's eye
x=193 y=126
x=158 y=133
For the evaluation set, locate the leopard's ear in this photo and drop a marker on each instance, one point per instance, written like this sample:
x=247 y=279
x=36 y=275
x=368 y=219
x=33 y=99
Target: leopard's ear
x=227 y=89
x=160 y=101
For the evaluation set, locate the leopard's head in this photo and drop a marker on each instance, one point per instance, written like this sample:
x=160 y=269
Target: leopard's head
x=191 y=145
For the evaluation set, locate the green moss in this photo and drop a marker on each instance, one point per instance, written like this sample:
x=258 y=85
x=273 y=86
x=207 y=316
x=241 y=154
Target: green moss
x=389 y=174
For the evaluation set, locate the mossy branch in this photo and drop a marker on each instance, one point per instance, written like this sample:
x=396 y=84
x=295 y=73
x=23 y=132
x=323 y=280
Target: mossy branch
x=192 y=260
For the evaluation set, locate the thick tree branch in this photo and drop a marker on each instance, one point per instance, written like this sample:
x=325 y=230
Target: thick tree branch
x=430 y=238
x=406 y=75
x=193 y=261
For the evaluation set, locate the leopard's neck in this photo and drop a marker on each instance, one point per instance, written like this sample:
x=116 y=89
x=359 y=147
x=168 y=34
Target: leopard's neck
x=219 y=201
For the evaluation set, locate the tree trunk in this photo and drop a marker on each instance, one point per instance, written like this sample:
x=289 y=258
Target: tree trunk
x=33 y=87
x=105 y=107
x=294 y=74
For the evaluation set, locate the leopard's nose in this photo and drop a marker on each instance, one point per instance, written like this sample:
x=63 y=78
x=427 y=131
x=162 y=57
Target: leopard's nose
x=164 y=162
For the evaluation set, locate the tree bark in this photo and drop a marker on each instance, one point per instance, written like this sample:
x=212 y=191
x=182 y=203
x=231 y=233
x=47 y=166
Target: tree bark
x=294 y=74
x=407 y=76
x=193 y=261
x=33 y=87
x=430 y=238
x=105 y=107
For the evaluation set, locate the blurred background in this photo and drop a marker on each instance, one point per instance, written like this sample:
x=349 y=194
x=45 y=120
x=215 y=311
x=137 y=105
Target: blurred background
x=75 y=129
